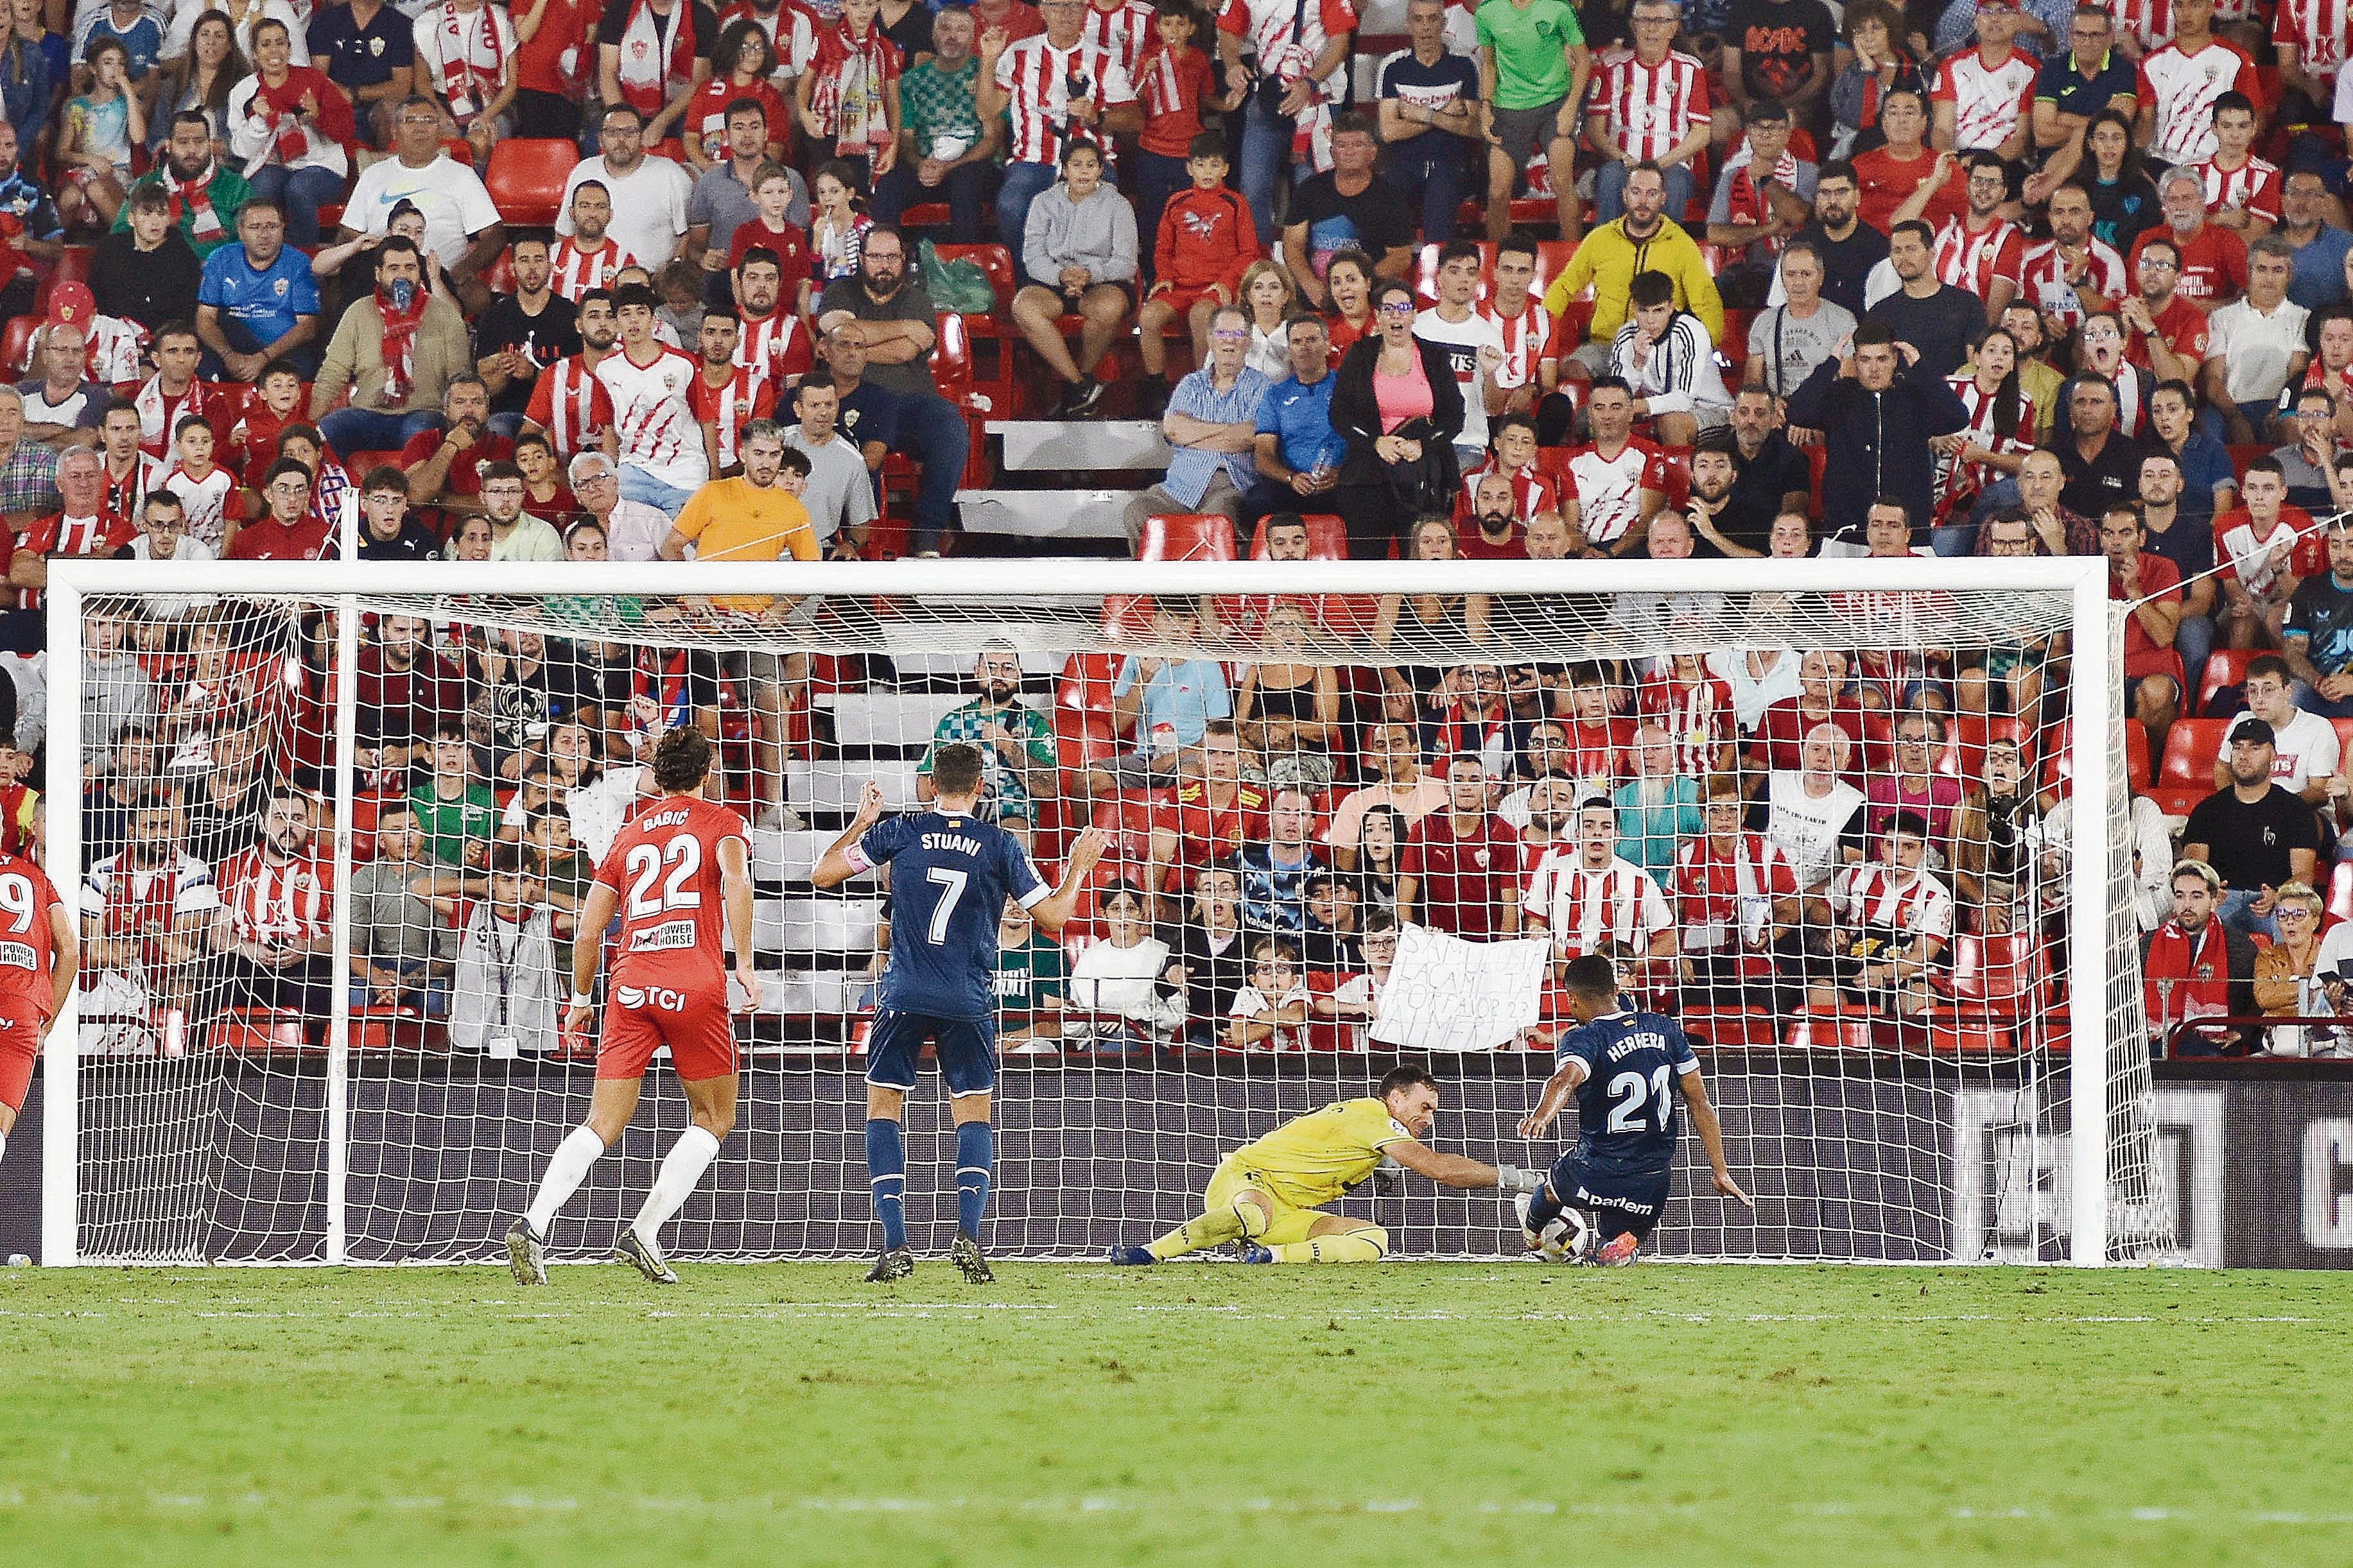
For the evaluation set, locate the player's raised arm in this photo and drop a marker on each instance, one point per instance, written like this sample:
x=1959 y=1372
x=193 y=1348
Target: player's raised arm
x=1711 y=1132
x=1557 y=1091
x=1053 y=911
x=835 y=867
x=588 y=951
x=1455 y=1171
x=736 y=890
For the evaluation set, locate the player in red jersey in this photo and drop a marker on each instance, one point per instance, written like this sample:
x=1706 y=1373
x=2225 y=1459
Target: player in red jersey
x=38 y=959
x=669 y=876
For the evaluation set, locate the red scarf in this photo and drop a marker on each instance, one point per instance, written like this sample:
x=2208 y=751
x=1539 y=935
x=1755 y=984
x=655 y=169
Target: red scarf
x=2187 y=976
x=643 y=77
x=194 y=196
x=281 y=106
x=399 y=343
x=466 y=86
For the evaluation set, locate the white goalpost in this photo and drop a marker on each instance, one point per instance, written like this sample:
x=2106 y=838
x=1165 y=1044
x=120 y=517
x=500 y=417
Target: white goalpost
x=225 y=1087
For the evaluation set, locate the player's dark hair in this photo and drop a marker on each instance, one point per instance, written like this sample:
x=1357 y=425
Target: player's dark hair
x=1405 y=1075
x=384 y=478
x=1911 y=824
x=638 y=295
x=681 y=758
x=1207 y=144
x=2230 y=101
x=1592 y=976
x=2267 y=464
x=956 y=768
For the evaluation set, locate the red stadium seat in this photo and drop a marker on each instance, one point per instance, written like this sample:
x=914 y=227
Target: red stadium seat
x=1732 y=1028
x=1186 y=536
x=1840 y=1029
x=526 y=178
x=997 y=326
x=17 y=346
x=72 y=266
x=2225 y=667
x=1327 y=537
x=2186 y=774
x=257 y=1032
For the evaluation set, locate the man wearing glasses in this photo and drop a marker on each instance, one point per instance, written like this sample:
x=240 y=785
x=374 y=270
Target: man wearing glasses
x=1212 y=424
x=461 y=222
x=649 y=194
x=289 y=532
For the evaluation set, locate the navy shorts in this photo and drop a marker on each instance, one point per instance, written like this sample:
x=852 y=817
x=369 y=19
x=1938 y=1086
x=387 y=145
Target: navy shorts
x=966 y=1048
x=1618 y=1202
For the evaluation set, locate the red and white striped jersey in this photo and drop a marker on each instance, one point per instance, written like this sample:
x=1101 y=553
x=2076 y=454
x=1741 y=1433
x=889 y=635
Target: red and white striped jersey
x=777 y=346
x=1723 y=892
x=1531 y=491
x=1880 y=897
x=1958 y=482
x=1583 y=908
x=572 y=405
x=1126 y=30
x=2181 y=88
x=2043 y=279
x=1697 y=717
x=2150 y=21
x=205 y=502
x=1287 y=35
x=1527 y=342
x=2322 y=32
x=1036 y=77
x=727 y=408
x=573 y=272
x=651 y=416
x=159 y=414
x=1976 y=261
x=1649 y=109
x=2254 y=188
x=127 y=493
x=287 y=902
x=1609 y=490
x=1989 y=102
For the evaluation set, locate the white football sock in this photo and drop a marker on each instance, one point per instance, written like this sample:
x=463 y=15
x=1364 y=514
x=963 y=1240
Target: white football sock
x=3 y=1145
x=566 y=1169
x=681 y=1169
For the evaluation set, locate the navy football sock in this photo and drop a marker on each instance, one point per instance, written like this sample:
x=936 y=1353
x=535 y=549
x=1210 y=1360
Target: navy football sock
x=1543 y=1208
x=975 y=1148
x=886 y=1168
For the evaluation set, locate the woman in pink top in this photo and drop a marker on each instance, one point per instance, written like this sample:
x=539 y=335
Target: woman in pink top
x=1915 y=785
x=1396 y=402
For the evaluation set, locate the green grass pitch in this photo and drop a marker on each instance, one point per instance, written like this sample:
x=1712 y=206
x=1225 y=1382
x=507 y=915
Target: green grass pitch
x=1205 y=1413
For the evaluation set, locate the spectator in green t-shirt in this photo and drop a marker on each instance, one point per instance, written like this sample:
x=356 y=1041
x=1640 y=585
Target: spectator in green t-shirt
x=1532 y=64
x=1016 y=741
x=946 y=152
x=457 y=814
x=1028 y=982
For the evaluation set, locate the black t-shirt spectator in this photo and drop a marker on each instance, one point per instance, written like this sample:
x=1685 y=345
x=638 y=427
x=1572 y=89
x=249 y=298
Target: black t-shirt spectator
x=1453 y=79
x=1777 y=39
x=2188 y=541
x=415 y=542
x=911 y=33
x=2247 y=845
x=354 y=57
x=615 y=22
x=1847 y=263
x=2095 y=485
x=1940 y=326
x=1757 y=486
x=1214 y=973
x=547 y=338
x=911 y=303
x=2322 y=613
x=151 y=287
x=1376 y=214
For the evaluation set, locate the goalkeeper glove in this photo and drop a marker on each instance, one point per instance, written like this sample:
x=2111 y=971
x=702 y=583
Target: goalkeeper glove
x=1519 y=1179
x=1387 y=1176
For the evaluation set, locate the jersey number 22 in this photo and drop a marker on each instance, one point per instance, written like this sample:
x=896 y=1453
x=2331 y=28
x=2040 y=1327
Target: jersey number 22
x=683 y=855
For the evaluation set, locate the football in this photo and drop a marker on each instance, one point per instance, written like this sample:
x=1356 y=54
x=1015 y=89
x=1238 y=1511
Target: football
x=1567 y=1237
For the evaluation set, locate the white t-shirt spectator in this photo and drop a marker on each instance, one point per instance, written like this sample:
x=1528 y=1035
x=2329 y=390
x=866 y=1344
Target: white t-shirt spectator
x=840 y=491
x=648 y=206
x=2304 y=749
x=455 y=201
x=1462 y=341
x=2255 y=348
x=1807 y=826
x=657 y=430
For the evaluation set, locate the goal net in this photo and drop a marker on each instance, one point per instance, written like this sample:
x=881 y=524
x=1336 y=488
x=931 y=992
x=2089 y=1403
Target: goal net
x=1860 y=824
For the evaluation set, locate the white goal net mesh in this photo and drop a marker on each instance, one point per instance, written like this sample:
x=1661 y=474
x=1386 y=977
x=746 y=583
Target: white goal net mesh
x=1827 y=829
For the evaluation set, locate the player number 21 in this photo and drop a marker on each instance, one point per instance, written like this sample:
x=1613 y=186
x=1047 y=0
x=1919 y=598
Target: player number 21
x=1630 y=1093
x=683 y=853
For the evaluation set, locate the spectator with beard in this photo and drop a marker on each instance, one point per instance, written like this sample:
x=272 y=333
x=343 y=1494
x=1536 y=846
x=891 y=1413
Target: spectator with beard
x=1460 y=871
x=1495 y=533
x=1274 y=870
x=407 y=691
x=2194 y=966
x=1018 y=767
x=1770 y=475
x=397 y=353
x=2257 y=834
x=148 y=911
x=276 y=942
x=521 y=334
x=1717 y=530
x=109 y=801
x=569 y=403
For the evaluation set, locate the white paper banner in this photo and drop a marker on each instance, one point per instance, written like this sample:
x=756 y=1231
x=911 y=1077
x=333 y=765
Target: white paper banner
x=1448 y=994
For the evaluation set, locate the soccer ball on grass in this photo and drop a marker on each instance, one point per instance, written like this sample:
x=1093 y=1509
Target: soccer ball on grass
x=1567 y=1237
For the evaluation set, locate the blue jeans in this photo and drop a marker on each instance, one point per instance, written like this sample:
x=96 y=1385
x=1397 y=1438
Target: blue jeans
x=964 y=189
x=303 y=357
x=2236 y=914
x=1432 y=171
x=2194 y=641
x=2310 y=700
x=300 y=192
x=1609 y=191
x=1023 y=183
x=350 y=430
x=638 y=485
x=1266 y=153
x=508 y=425
x=1158 y=178
x=932 y=431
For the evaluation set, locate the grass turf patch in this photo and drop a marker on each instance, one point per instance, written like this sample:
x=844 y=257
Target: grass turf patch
x=1202 y=1414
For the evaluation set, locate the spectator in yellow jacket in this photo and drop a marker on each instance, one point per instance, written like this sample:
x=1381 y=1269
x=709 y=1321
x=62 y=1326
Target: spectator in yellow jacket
x=1645 y=240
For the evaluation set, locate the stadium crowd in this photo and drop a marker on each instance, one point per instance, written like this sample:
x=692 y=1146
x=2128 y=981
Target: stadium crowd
x=1736 y=279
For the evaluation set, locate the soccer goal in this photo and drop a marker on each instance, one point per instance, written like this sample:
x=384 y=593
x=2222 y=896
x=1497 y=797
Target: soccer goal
x=1861 y=824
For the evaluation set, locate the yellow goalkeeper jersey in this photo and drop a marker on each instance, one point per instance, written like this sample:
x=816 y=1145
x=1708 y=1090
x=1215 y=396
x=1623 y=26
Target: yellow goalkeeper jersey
x=1313 y=1159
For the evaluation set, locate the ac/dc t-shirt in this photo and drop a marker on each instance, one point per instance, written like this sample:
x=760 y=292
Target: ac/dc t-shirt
x=1776 y=39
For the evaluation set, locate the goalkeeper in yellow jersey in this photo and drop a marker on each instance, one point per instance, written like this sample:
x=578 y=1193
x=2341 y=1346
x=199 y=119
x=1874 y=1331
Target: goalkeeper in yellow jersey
x=1265 y=1194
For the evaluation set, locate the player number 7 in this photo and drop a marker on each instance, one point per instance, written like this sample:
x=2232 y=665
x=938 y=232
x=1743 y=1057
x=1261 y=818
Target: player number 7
x=945 y=910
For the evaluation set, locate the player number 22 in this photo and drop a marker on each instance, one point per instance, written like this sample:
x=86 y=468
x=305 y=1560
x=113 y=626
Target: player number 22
x=1631 y=1094
x=683 y=853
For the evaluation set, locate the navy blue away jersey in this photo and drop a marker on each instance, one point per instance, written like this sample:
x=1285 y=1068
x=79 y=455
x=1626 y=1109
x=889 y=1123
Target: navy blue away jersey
x=1626 y=1107
x=950 y=877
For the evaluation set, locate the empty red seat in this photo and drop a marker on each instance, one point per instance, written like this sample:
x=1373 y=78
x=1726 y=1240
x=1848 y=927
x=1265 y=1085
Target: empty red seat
x=526 y=178
x=2225 y=667
x=2186 y=774
x=17 y=344
x=1186 y=536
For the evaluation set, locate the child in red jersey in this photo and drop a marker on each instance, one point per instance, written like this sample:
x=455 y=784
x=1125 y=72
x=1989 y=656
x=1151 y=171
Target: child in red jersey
x=1172 y=79
x=1206 y=238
